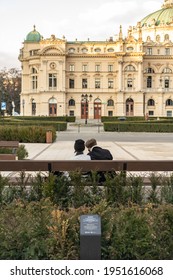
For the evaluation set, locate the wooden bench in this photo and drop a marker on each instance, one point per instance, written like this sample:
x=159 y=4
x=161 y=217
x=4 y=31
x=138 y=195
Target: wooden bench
x=83 y=165
x=11 y=145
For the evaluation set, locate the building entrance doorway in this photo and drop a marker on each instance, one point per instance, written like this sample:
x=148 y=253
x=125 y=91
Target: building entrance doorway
x=97 y=108
x=52 y=107
x=129 y=107
x=84 y=110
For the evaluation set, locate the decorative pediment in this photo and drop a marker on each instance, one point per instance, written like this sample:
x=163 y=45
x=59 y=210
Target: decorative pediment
x=52 y=50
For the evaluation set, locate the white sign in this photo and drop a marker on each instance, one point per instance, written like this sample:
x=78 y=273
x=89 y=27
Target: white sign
x=3 y=106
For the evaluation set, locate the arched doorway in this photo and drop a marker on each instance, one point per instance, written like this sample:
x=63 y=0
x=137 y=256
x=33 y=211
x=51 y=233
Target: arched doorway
x=52 y=107
x=97 y=108
x=84 y=109
x=33 y=107
x=129 y=107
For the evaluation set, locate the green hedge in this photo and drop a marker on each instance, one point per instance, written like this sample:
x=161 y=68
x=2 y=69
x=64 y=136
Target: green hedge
x=138 y=127
x=43 y=118
x=43 y=223
x=26 y=134
x=135 y=119
x=39 y=230
x=58 y=126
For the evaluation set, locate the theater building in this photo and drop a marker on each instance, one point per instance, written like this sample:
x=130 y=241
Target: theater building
x=121 y=76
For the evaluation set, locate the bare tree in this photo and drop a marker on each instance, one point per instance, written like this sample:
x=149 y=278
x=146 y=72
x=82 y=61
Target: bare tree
x=10 y=88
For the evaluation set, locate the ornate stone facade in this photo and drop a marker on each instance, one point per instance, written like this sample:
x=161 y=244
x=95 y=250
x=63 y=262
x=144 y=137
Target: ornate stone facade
x=129 y=76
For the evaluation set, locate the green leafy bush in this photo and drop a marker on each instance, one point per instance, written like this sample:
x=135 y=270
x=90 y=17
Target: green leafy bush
x=26 y=134
x=42 y=221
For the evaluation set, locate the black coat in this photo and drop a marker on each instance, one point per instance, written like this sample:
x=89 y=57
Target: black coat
x=98 y=153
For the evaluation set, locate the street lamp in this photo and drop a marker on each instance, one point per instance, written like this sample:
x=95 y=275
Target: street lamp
x=23 y=104
x=86 y=100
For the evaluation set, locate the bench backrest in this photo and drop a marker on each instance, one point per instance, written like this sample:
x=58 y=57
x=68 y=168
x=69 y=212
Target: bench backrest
x=9 y=144
x=7 y=157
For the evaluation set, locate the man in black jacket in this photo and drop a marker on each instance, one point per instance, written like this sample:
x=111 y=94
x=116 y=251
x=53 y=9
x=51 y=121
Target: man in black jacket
x=97 y=153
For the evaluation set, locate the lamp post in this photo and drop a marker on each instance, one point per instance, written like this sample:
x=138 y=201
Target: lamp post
x=23 y=104
x=86 y=101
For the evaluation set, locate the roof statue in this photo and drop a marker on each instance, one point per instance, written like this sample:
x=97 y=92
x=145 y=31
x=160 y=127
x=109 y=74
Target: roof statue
x=167 y=3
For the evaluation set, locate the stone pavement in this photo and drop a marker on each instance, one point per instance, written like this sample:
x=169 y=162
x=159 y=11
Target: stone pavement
x=63 y=149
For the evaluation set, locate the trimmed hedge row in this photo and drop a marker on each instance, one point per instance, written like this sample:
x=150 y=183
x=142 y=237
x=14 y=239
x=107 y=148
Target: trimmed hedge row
x=138 y=127
x=46 y=118
x=26 y=134
x=134 y=119
x=58 y=126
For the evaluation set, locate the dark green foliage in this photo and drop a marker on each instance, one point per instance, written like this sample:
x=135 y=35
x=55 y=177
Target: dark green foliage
x=39 y=216
x=26 y=134
x=131 y=126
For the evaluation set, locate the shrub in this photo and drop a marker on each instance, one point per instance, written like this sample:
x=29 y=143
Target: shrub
x=26 y=134
x=22 y=153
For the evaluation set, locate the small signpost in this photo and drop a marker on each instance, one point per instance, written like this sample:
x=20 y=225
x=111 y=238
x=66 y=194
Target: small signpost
x=3 y=106
x=90 y=237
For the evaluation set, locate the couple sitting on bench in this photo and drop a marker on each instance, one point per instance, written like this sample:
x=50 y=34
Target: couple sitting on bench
x=94 y=153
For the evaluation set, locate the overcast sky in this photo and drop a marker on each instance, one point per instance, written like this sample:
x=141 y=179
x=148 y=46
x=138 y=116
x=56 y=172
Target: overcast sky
x=94 y=19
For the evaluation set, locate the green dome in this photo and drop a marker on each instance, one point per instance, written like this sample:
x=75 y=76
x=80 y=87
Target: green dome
x=33 y=36
x=160 y=17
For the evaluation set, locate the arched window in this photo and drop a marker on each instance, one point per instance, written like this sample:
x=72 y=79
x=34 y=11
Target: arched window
x=71 y=102
x=130 y=68
x=84 y=50
x=129 y=48
x=71 y=50
x=169 y=102
x=151 y=102
x=110 y=102
x=110 y=50
x=97 y=50
x=167 y=70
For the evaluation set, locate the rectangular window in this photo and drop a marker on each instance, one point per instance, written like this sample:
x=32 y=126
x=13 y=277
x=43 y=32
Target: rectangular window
x=97 y=83
x=71 y=113
x=169 y=113
x=71 y=83
x=149 y=82
x=97 y=67
x=110 y=68
x=166 y=83
x=167 y=51
x=151 y=113
x=71 y=67
x=129 y=83
x=34 y=82
x=52 y=82
x=110 y=83
x=110 y=113
x=84 y=83
x=84 y=67
x=149 y=51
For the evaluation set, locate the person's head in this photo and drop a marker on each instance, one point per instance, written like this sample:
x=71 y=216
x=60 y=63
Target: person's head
x=90 y=143
x=79 y=145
